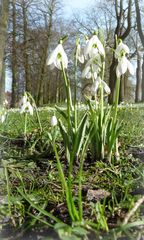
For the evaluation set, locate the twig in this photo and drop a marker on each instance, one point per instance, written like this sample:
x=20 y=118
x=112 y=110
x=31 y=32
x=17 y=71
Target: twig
x=134 y=209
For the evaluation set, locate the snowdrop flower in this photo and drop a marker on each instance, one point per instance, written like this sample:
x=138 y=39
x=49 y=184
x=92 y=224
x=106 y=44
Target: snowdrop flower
x=90 y=70
x=3 y=117
x=79 y=54
x=93 y=47
x=26 y=106
x=121 y=49
x=5 y=103
x=124 y=65
x=97 y=83
x=53 y=121
x=57 y=57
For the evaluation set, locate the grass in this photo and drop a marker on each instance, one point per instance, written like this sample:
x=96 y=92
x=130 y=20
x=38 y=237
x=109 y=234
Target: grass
x=35 y=197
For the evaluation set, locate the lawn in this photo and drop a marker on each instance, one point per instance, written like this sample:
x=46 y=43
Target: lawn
x=33 y=204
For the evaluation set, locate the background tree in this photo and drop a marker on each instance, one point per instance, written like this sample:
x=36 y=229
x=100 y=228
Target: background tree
x=122 y=30
x=4 y=7
x=141 y=35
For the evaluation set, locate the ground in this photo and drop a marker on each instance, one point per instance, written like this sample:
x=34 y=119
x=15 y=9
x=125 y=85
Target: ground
x=109 y=192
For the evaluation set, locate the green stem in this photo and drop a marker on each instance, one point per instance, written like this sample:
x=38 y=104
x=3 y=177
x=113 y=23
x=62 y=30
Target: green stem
x=37 y=114
x=69 y=100
x=64 y=183
x=38 y=118
x=25 y=126
x=116 y=98
x=114 y=116
x=81 y=173
x=102 y=111
x=8 y=189
x=75 y=96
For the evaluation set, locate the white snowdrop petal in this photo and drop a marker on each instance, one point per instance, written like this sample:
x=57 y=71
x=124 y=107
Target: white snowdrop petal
x=95 y=86
x=57 y=63
x=93 y=52
x=122 y=66
x=106 y=87
x=3 y=117
x=30 y=108
x=95 y=75
x=22 y=109
x=54 y=59
x=85 y=71
x=89 y=75
x=81 y=58
x=53 y=121
x=118 y=73
x=100 y=47
x=88 y=47
x=125 y=48
x=130 y=67
x=119 y=48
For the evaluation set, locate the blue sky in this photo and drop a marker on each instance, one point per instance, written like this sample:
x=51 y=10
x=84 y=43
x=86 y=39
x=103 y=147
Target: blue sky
x=71 y=5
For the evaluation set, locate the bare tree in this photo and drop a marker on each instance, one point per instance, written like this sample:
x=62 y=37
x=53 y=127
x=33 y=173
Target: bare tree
x=14 y=56
x=141 y=35
x=121 y=31
x=4 y=7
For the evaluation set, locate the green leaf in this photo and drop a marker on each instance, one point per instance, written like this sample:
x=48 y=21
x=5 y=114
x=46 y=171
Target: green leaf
x=79 y=138
x=41 y=210
x=62 y=112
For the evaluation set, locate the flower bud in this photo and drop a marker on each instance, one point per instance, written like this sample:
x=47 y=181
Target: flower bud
x=53 y=121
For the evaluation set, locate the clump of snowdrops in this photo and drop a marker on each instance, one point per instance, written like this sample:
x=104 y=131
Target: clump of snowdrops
x=99 y=127
x=27 y=107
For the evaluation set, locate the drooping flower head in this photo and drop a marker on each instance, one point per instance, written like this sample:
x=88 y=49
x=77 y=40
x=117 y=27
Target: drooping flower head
x=53 y=121
x=123 y=63
x=93 y=47
x=98 y=83
x=26 y=105
x=91 y=90
x=3 y=115
x=79 y=54
x=91 y=69
x=121 y=50
x=58 y=57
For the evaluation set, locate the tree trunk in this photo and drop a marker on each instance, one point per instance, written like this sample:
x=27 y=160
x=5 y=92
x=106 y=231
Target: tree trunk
x=4 y=6
x=14 y=57
x=121 y=32
x=138 y=94
x=141 y=35
x=25 y=50
x=40 y=95
x=2 y=85
x=143 y=80
x=112 y=80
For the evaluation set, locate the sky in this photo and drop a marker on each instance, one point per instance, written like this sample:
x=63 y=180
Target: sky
x=71 y=5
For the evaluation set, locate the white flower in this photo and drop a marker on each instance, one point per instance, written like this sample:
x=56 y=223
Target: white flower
x=23 y=100
x=121 y=48
x=124 y=65
x=90 y=70
x=53 y=121
x=26 y=106
x=58 y=57
x=3 y=117
x=97 y=83
x=5 y=103
x=93 y=47
x=79 y=54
